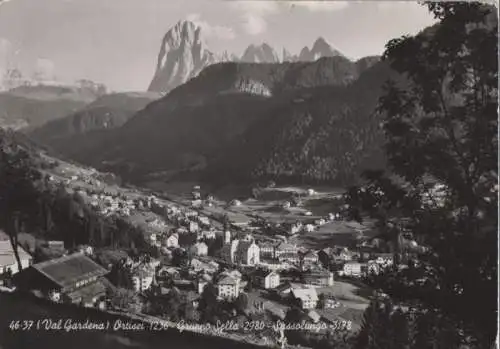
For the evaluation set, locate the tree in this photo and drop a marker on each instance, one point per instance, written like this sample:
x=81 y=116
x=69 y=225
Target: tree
x=17 y=187
x=121 y=276
x=173 y=309
x=208 y=304
x=440 y=121
x=241 y=303
x=126 y=299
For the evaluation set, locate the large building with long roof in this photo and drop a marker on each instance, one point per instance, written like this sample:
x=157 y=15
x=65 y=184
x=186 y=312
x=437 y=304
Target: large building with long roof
x=73 y=278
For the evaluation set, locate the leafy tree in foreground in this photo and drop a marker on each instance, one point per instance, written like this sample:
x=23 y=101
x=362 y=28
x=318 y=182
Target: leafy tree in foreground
x=18 y=193
x=440 y=122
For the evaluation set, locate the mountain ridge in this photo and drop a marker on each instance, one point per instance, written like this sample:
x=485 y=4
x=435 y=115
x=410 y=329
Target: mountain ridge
x=184 y=54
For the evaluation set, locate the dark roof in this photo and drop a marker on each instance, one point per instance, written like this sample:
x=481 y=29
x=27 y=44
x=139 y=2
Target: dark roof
x=68 y=270
x=317 y=273
x=262 y=272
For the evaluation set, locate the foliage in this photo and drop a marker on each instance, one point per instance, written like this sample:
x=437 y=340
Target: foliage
x=441 y=132
x=126 y=299
x=208 y=304
x=121 y=276
x=241 y=303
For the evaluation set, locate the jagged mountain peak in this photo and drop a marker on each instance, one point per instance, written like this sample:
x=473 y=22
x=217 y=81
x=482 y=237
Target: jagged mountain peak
x=183 y=54
x=262 y=53
x=321 y=48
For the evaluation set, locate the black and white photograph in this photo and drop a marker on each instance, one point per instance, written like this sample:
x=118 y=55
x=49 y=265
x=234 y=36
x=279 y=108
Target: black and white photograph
x=249 y=174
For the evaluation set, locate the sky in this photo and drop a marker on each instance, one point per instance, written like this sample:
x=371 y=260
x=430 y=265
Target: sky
x=116 y=42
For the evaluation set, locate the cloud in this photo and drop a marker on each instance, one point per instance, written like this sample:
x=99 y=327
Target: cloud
x=4 y=2
x=209 y=30
x=253 y=14
x=5 y=52
x=254 y=24
x=319 y=6
x=44 y=69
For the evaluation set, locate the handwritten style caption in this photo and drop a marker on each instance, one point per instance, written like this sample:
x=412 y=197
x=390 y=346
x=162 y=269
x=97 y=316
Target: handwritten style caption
x=70 y=325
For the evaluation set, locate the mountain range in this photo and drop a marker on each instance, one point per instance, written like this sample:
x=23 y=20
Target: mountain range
x=214 y=117
x=30 y=107
x=236 y=121
x=184 y=54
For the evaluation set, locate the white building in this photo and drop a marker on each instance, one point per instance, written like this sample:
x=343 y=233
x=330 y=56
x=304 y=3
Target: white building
x=142 y=280
x=307 y=297
x=193 y=227
x=199 y=249
x=227 y=237
x=352 y=268
x=245 y=252
x=229 y=287
x=8 y=259
x=172 y=241
x=267 y=279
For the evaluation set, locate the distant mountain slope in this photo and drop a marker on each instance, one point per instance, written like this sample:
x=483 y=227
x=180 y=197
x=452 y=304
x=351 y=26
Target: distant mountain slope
x=327 y=133
x=28 y=107
x=250 y=121
x=107 y=112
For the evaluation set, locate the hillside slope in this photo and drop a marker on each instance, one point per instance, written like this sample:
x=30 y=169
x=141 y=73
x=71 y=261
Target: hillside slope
x=299 y=121
x=29 y=107
x=107 y=112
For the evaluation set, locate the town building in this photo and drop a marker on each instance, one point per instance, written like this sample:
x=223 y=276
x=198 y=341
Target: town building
x=384 y=259
x=245 y=252
x=307 y=297
x=228 y=287
x=199 y=249
x=193 y=227
x=8 y=262
x=172 y=241
x=309 y=258
x=352 y=268
x=266 y=279
x=266 y=250
x=285 y=248
x=142 y=278
x=318 y=277
x=73 y=278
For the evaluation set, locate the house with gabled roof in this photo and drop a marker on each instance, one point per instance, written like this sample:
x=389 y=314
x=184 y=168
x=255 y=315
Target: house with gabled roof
x=266 y=279
x=228 y=287
x=307 y=297
x=75 y=278
x=8 y=262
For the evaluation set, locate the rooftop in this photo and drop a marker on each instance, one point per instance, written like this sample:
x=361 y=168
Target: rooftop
x=286 y=246
x=305 y=294
x=7 y=256
x=228 y=280
x=68 y=270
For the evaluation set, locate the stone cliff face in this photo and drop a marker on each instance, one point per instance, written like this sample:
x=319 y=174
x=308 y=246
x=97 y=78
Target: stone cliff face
x=183 y=55
x=252 y=87
x=319 y=50
x=260 y=54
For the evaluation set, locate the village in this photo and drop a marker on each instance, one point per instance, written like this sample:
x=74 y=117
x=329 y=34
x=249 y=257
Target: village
x=252 y=268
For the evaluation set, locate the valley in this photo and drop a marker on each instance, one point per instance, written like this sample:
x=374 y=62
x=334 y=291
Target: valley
x=334 y=188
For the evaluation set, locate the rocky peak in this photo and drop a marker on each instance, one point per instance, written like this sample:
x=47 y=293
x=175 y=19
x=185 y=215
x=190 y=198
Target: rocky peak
x=183 y=54
x=263 y=53
x=321 y=48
